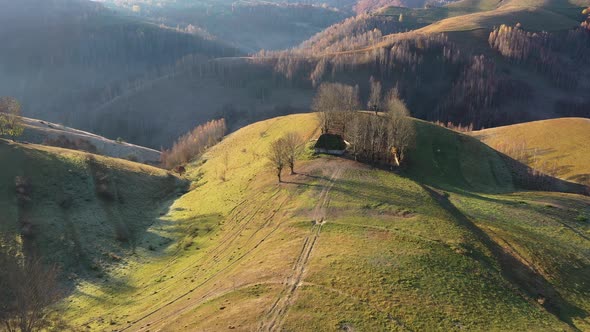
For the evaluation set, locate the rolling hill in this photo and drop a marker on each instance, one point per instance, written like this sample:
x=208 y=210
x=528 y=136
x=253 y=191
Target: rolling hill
x=558 y=146
x=536 y=15
x=452 y=242
x=47 y=133
x=79 y=210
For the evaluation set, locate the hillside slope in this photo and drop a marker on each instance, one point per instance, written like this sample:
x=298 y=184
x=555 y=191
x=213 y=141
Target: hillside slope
x=82 y=211
x=65 y=60
x=558 y=146
x=44 y=132
x=340 y=245
x=537 y=15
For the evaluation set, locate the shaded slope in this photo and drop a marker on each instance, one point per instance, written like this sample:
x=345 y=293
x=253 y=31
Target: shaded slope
x=343 y=246
x=81 y=211
x=448 y=159
x=558 y=147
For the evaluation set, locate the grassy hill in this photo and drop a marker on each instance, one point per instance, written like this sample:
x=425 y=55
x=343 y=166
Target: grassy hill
x=535 y=15
x=450 y=243
x=81 y=211
x=558 y=146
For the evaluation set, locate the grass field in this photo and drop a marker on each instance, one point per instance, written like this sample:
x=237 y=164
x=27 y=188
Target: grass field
x=343 y=246
x=557 y=146
x=535 y=15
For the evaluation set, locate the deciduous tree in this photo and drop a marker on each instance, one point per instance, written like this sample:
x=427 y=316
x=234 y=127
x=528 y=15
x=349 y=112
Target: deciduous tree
x=334 y=103
x=401 y=131
x=374 y=103
x=293 y=144
x=27 y=287
x=277 y=156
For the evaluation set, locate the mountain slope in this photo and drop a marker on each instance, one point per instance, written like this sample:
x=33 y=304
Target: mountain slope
x=558 y=146
x=340 y=245
x=65 y=60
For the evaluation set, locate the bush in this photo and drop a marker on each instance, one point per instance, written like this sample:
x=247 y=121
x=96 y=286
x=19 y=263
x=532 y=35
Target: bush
x=78 y=144
x=194 y=143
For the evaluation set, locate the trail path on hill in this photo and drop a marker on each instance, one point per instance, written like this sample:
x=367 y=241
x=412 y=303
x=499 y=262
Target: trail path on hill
x=218 y=255
x=275 y=316
x=217 y=259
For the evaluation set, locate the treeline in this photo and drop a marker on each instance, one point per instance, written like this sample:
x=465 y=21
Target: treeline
x=193 y=144
x=421 y=66
x=354 y=32
x=544 y=52
x=438 y=78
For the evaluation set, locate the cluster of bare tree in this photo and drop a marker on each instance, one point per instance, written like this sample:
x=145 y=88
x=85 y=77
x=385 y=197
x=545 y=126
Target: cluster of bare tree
x=472 y=93
x=334 y=103
x=539 y=50
x=27 y=287
x=194 y=143
x=513 y=42
x=284 y=152
x=352 y=33
x=378 y=137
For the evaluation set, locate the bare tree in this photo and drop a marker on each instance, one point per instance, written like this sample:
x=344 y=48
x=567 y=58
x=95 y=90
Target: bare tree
x=11 y=122
x=401 y=131
x=194 y=143
x=375 y=102
x=293 y=143
x=277 y=156
x=356 y=134
x=27 y=287
x=334 y=103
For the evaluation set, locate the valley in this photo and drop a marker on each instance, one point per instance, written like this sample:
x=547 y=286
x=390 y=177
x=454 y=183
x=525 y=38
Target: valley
x=334 y=165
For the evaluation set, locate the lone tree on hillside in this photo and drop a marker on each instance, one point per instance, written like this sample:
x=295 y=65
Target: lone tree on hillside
x=11 y=123
x=374 y=103
x=292 y=145
x=277 y=156
x=401 y=132
x=334 y=103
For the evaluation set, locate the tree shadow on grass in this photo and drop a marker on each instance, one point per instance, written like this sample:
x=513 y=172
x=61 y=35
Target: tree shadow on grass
x=525 y=278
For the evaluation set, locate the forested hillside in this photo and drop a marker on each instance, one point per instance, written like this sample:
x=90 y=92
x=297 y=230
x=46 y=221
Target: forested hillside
x=465 y=74
x=485 y=76
x=66 y=59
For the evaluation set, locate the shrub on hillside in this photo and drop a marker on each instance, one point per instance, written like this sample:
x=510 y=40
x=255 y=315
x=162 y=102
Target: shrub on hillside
x=194 y=143
x=77 y=144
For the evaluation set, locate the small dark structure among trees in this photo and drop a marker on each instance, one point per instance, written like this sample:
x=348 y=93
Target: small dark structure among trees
x=330 y=144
